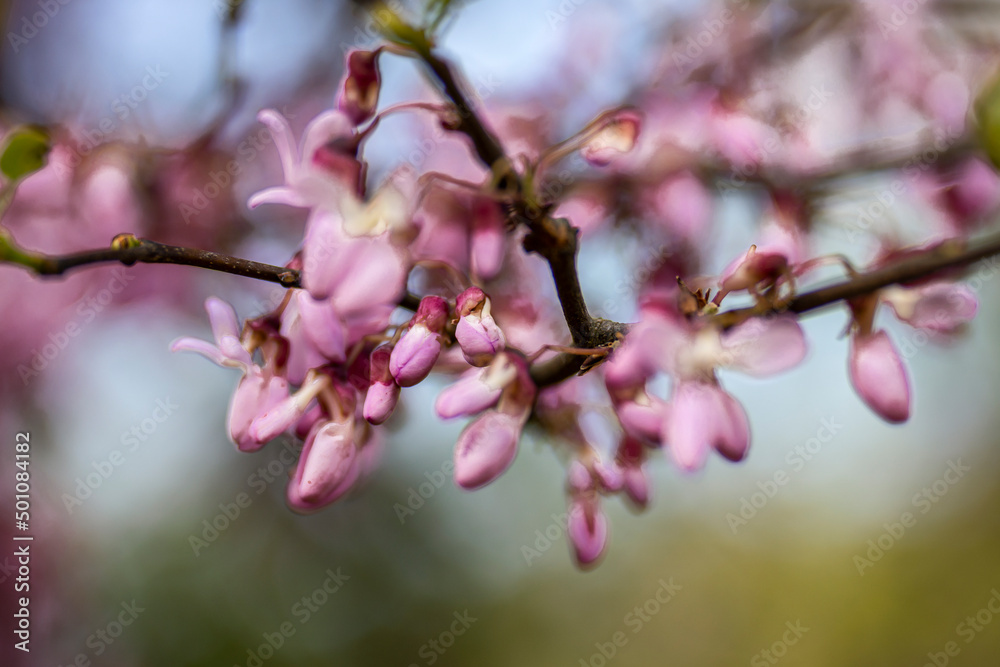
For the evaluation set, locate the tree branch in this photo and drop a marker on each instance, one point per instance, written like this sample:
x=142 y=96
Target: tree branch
x=128 y=250
x=946 y=256
x=555 y=239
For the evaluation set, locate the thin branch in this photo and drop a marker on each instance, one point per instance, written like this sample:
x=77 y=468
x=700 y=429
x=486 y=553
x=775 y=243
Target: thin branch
x=487 y=146
x=555 y=239
x=947 y=256
x=129 y=250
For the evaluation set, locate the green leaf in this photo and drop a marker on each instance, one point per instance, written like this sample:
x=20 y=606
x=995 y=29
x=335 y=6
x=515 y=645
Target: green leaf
x=25 y=150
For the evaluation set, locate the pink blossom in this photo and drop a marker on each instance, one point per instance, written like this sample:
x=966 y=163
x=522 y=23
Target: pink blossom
x=486 y=448
x=703 y=416
x=308 y=182
x=642 y=416
x=758 y=266
x=700 y=415
x=256 y=394
x=477 y=332
x=259 y=390
x=488 y=445
x=383 y=392
x=284 y=414
x=630 y=457
x=415 y=354
x=682 y=204
x=878 y=375
x=942 y=307
x=327 y=468
x=587 y=530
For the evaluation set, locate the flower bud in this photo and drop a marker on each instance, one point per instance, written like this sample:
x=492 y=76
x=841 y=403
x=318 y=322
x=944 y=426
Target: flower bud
x=360 y=87
x=383 y=392
x=616 y=136
x=878 y=375
x=417 y=350
x=587 y=529
x=256 y=393
x=327 y=467
x=477 y=332
x=486 y=448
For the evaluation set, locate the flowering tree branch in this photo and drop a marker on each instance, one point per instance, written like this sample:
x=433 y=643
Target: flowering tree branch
x=947 y=256
x=555 y=239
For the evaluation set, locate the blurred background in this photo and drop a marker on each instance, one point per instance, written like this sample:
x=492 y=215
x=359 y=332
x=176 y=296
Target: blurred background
x=157 y=543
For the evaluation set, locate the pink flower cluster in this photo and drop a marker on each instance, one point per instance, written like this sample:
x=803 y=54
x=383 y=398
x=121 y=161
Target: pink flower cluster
x=330 y=364
x=323 y=365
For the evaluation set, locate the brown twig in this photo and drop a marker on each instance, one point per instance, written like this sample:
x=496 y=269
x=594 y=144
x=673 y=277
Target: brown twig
x=129 y=250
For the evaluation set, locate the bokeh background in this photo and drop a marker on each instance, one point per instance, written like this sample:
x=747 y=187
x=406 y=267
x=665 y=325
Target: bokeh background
x=497 y=558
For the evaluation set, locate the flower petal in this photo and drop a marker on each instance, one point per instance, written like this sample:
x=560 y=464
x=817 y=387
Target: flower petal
x=879 y=376
x=486 y=448
x=470 y=395
x=281 y=133
x=764 y=346
x=327 y=467
x=587 y=530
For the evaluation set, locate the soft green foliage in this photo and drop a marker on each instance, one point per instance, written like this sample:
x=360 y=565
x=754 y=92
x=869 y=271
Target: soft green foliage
x=25 y=151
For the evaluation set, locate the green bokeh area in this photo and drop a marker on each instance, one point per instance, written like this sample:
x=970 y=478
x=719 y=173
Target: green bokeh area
x=730 y=597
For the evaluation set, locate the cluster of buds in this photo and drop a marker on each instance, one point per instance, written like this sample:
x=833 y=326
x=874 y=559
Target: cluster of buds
x=329 y=365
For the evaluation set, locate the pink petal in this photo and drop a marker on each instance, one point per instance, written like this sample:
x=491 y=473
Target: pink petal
x=222 y=317
x=322 y=326
x=486 y=448
x=324 y=129
x=636 y=485
x=327 y=467
x=480 y=338
x=470 y=395
x=279 y=418
x=942 y=306
x=202 y=347
x=702 y=417
x=879 y=376
x=383 y=392
x=377 y=277
x=578 y=478
x=732 y=439
x=587 y=530
x=254 y=395
x=683 y=205
x=380 y=402
x=765 y=346
x=643 y=419
x=279 y=194
x=488 y=238
x=281 y=133
x=414 y=355
x=610 y=475
x=974 y=195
